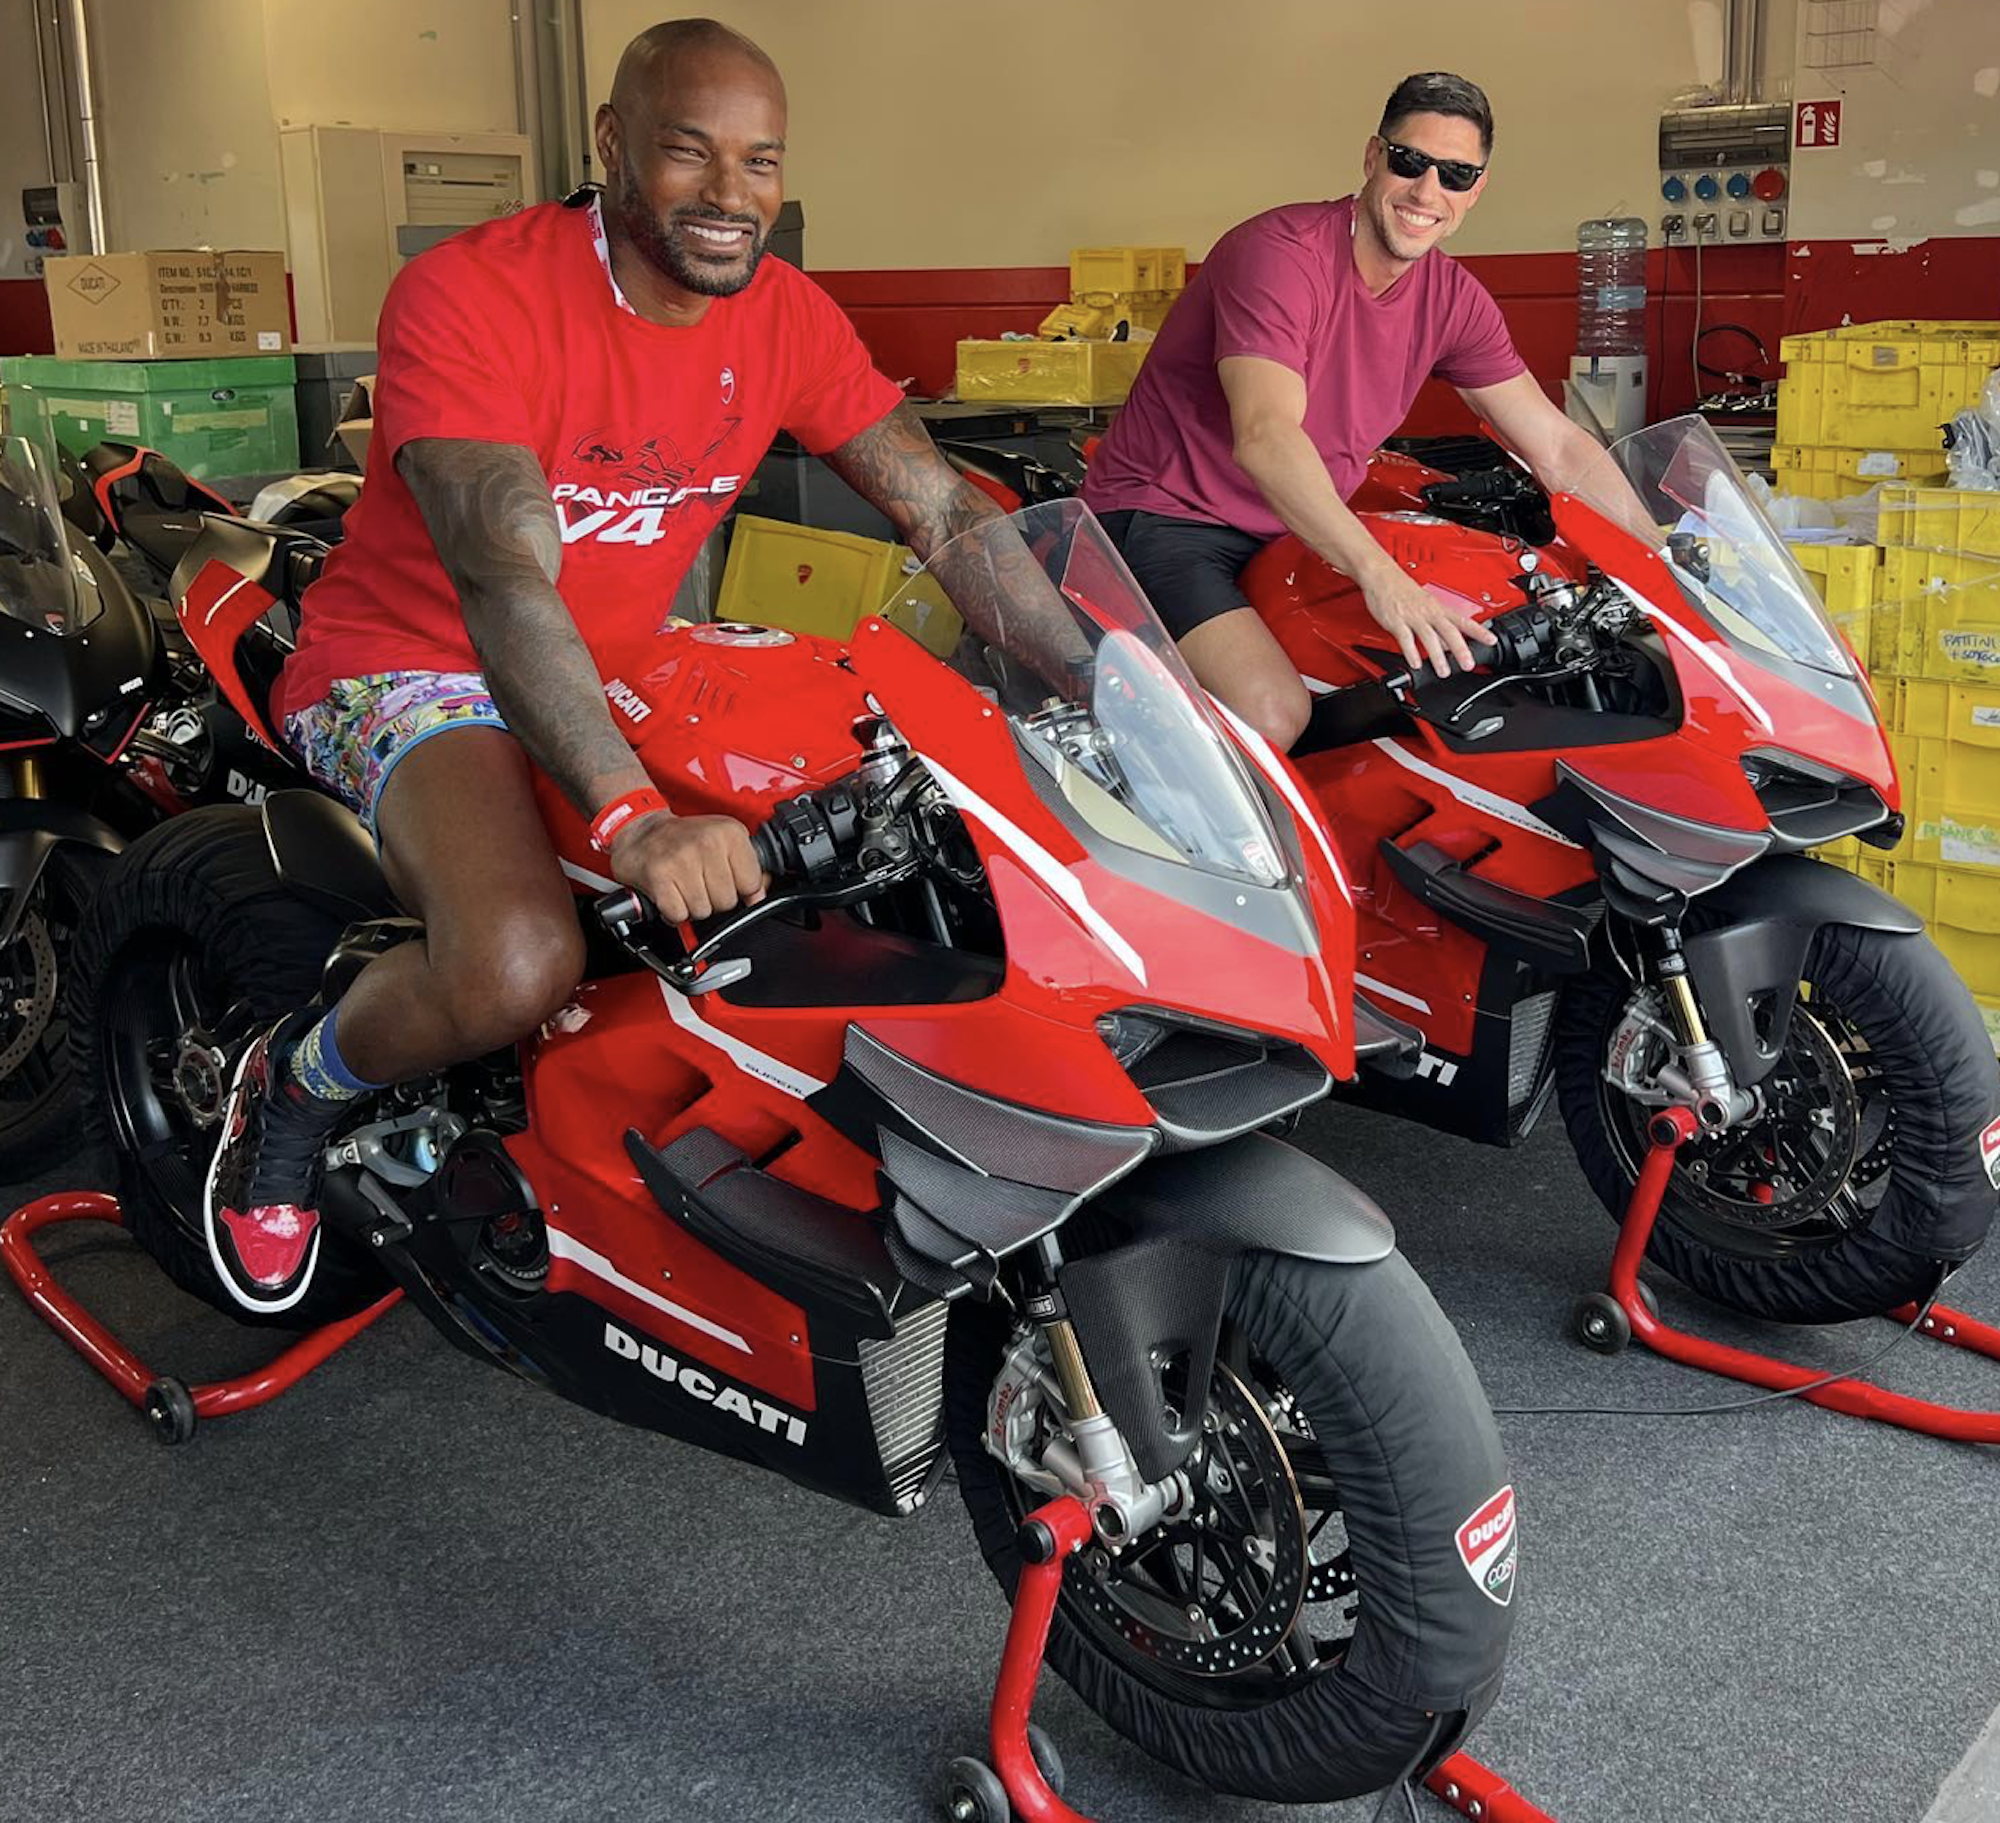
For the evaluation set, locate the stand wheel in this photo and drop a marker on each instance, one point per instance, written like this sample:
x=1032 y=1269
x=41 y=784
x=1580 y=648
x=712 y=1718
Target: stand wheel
x=1048 y=1762
x=1647 y=1298
x=169 y=1409
x=973 y=1793
x=1599 y=1322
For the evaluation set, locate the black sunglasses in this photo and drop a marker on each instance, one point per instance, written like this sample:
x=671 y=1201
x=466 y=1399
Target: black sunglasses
x=1454 y=173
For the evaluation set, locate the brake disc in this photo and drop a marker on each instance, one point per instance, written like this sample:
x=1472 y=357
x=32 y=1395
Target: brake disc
x=1216 y=1589
x=1805 y=1140
x=29 y=1003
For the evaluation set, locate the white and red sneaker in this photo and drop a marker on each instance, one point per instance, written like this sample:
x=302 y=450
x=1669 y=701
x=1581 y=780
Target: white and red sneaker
x=260 y=1212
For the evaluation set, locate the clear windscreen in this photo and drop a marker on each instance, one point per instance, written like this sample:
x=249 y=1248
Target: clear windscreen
x=1097 y=694
x=1726 y=555
x=38 y=573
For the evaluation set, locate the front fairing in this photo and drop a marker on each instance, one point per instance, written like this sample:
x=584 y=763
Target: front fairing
x=1760 y=668
x=1140 y=852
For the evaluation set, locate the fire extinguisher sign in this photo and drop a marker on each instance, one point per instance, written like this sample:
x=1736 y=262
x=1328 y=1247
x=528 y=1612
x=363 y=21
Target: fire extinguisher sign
x=1816 y=123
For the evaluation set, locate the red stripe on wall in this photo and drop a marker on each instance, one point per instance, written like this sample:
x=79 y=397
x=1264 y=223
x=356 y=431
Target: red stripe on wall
x=1830 y=282
x=24 y=318
x=912 y=320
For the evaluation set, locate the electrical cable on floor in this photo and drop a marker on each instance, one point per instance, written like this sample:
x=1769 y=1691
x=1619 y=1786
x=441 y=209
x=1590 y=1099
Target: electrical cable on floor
x=1733 y=1405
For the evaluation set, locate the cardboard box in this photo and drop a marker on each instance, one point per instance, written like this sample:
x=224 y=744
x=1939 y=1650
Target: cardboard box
x=168 y=306
x=358 y=420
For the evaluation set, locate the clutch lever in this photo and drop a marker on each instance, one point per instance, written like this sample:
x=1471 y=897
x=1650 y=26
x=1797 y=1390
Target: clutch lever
x=701 y=970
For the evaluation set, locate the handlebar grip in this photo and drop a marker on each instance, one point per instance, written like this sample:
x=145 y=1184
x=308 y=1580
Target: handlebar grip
x=768 y=845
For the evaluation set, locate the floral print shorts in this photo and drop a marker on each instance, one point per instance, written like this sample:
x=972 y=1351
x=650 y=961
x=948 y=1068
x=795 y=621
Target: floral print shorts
x=357 y=734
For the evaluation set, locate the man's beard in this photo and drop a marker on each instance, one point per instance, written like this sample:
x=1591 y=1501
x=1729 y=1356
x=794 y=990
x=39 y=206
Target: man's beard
x=662 y=250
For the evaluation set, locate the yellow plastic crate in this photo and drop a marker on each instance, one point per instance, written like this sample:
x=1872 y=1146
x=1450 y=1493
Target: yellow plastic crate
x=807 y=580
x=1097 y=273
x=1960 y=906
x=1049 y=373
x=1099 y=321
x=1882 y=385
x=1949 y=797
x=1941 y=518
x=1939 y=618
x=1947 y=743
x=1824 y=472
x=1844 y=576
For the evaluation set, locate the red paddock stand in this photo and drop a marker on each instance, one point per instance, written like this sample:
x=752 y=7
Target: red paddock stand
x=1025 y=1777
x=1607 y=1321
x=170 y=1406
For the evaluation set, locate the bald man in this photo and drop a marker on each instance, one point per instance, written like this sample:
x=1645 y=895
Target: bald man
x=568 y=400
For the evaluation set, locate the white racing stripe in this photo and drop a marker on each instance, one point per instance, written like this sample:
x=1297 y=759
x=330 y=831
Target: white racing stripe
x=1476 y=795
x=1039 y=862
x=567 y=1247
x=1391 y=993
x=222 y=600
x=1274 y=769
x=746 y=1057
x=1702 y=653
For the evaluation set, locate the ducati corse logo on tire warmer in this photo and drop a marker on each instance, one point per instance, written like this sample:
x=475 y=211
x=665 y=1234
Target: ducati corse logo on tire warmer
x=1486 y=1546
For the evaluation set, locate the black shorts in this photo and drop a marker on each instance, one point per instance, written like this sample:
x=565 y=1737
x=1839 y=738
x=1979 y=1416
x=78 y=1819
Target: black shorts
x=1188 y=567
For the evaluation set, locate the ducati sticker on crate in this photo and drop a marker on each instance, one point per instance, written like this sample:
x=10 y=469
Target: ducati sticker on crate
x=1989 y=1153
x=1486 y=1543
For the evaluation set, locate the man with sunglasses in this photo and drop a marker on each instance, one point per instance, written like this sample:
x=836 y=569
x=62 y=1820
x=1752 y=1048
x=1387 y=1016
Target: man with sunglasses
x=1299 y=346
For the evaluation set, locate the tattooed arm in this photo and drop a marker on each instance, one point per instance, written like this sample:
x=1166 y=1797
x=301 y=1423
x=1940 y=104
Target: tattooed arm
x=997 y=586
x=896 y=468
x=488 y=511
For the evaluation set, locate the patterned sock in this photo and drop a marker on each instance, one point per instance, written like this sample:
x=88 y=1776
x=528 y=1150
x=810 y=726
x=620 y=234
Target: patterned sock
x=317 y=1066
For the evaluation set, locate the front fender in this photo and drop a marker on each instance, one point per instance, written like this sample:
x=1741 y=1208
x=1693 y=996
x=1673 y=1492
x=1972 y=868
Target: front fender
x=31 y=830
x=1159 y=1294
x=1765 y=918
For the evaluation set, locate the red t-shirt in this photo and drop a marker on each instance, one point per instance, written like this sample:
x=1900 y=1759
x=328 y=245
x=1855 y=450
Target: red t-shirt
x=1283 y=285
x=512 y=332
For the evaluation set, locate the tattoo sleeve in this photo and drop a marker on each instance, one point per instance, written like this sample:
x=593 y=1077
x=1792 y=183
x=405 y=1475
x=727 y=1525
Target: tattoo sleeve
x=896 y=468
x=998 y=587
x=488 y=511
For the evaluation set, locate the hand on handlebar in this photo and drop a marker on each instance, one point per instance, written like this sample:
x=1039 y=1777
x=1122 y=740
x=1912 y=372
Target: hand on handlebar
x=689 y=867
x=1426 y=627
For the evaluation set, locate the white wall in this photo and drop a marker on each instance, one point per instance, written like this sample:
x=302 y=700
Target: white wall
x=23 y=153
x=1920 y=135
x=189 y=148
x=192 y=92
x=956 y=133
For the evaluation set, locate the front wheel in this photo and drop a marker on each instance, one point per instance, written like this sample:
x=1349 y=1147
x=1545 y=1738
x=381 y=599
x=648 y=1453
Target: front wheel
x=1332 y=1607
x=1866 y=1174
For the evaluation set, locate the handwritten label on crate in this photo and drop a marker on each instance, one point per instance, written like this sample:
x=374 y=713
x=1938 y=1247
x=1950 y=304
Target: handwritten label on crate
x=1963 y=844
x=1982 y=649
x=1986 y=717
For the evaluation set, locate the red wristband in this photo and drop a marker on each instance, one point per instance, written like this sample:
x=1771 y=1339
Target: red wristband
x=620 y=811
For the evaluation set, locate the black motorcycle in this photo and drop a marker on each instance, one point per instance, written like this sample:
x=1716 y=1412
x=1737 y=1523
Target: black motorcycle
x=108 y=723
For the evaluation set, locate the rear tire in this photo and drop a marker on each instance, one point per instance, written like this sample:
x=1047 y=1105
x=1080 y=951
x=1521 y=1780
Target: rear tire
x=38 y=1112
x=1918 y=1198
x=1396 y=1426
x=192 y=927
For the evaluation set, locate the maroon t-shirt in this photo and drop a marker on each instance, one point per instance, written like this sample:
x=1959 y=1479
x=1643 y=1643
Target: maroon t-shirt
x=1283 y=286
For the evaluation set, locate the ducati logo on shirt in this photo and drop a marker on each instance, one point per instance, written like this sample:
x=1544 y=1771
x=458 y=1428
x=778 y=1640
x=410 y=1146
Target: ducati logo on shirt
x=729 y=386
x=623 y=488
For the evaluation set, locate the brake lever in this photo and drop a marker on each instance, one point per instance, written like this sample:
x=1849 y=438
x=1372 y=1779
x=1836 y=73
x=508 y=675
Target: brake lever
x=700 y=971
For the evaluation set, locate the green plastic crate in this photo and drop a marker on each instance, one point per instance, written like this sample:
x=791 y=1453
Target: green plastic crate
x=233 y=417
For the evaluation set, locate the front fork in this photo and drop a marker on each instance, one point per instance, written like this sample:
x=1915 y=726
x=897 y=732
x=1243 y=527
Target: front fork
x=1091 y=1459
x=1700 y=1079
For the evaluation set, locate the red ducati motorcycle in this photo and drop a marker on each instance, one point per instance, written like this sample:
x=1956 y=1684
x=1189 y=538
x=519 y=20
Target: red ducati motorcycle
x=1585 y=868
x=955 y=1147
